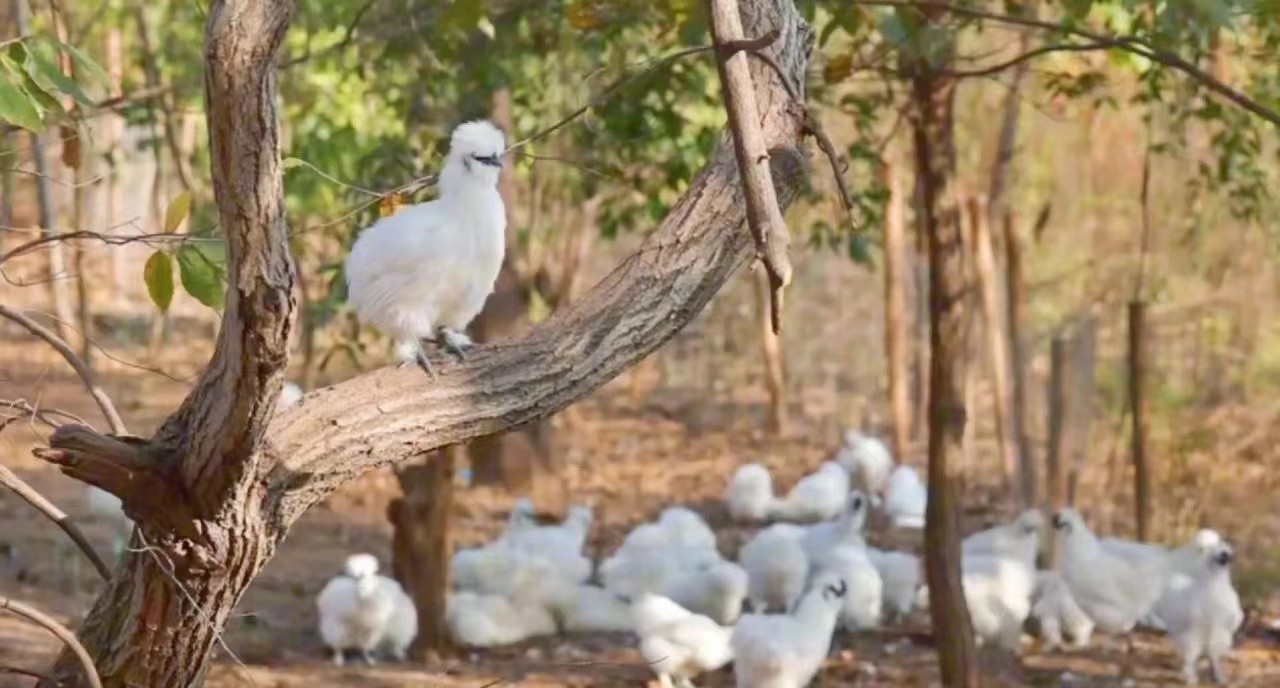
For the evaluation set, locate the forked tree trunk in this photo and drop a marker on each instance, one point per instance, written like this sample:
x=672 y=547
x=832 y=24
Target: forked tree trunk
x=771 y=349
x=932 y=121
x=897 y=315
x=422 y=545
x=216 y=489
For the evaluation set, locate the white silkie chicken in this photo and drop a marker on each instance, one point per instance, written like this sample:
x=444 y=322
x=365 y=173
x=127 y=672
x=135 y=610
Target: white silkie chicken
x=787 y=650
x=686 y=529
x=424 y=273
x=655 y=554
x=864 y=601
x=749 y=495
x=900 y=575
x=1203 y=620
x=818 y=496
x=905 y=498
x=998 y=538
x=479 y=620
x=677 y=643
x=361 y=610
x=290 y=395
x=715 y=591
x=867 y=459
x=820 y=538
x=563 y=541
x=1115 y=591
x=998 y=583
x=1181 y=566
x=777 y=568
x=589 y=609
x=1058 y=613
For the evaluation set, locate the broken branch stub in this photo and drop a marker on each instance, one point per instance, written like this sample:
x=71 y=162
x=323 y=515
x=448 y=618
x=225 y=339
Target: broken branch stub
x=764 y=217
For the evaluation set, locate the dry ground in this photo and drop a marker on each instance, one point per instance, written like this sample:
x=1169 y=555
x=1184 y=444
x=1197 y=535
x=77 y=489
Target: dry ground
x=627 y=454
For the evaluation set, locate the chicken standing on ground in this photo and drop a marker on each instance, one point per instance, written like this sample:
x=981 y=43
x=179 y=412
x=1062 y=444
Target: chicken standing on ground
x=1057 y=612
x=864 y=601
x=1203 y=620
x=1113 y=590
x=900 y=577
x=676 y=643
x=818 y=496
x=424 y=273
x=361 y=610
x=905 y=498
x=1182 y=566
x=998 y=584
x=867 y=460
x=787 y=650
x=749 y=495
x=777 y=568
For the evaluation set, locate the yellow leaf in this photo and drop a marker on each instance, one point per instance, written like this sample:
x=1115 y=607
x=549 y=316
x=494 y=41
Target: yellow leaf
x=390 y=204
x=837 y=69
x=177 y=211
x=582 y=16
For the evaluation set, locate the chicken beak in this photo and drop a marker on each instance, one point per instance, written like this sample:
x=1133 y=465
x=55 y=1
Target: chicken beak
x=494 y=160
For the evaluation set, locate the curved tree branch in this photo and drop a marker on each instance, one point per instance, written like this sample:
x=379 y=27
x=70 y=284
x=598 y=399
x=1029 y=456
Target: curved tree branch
x=29 y=494
x=48 y=623
x=90 y=382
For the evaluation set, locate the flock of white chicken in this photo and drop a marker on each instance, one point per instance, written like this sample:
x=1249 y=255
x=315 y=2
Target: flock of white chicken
x=773 y=612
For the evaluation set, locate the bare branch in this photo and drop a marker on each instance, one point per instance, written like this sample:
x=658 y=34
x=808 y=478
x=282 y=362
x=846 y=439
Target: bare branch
x=764 y=218
x=109 y=239
x=90 y=382
x=48 y=623
x=29 y=494
x=1131 y=44
x=37 y=412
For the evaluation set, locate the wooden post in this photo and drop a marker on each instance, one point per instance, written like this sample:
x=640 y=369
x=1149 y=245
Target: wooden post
x=1016 y=306
x=984 y=262
x=1138 y=412
x=897 y=333
x=422 y=545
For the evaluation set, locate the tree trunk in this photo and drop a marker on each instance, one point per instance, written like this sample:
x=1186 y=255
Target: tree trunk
x=932 y=122
x=897 y=331
x=1058 y=423
x=1016 y=305
x=771 y=348
x=1138 y=412
x=84 y=195
x=112 y=143
x=422 y=545
x=989 y=285
x=217 y=487
x=1084 y=346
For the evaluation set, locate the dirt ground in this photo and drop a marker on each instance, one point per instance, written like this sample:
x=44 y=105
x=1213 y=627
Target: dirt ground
x=628 y=455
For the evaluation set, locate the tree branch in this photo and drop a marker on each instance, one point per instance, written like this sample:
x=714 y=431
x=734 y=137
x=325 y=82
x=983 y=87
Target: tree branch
x=764 y=218
x=29 y=494
x=90 y=382
x=1134 y=45
x=48 y=623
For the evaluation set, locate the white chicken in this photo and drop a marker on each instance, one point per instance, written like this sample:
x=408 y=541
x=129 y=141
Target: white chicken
x=998 y=539
x=1115 y=591
x=1203 y=620
x=1058 y=613
x=900 y=576
x=685 y=528
x=424 y=273
x=590 y=609
x=479 y=620
x=714 y=590
x=1181 y=566
x=676 y=643
x=358 y=608
x=787 y=650
x=818 y=496
x=864 y=600
x=777 y=568
x=905 y=498
x=867 y=459
x=820 y=538
x=654 y=554
x=749 y=495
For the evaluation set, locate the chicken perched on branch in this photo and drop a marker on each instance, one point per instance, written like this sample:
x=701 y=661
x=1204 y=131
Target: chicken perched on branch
x=424 y=273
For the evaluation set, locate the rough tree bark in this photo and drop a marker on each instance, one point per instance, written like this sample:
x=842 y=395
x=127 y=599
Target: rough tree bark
x=422 y=545
x=1056 y=450
x=775 y=380
x=897 y=317
x=1138 y=412
x=216 y=489
x=1015 y=303
x=932 y=121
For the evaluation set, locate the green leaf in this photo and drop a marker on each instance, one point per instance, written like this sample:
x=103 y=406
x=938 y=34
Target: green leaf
x=16 y=106
x=85 y=67
x=177 y=211
x=51 y=77
x=45 y=101
x=201 y=275
x=158 y=274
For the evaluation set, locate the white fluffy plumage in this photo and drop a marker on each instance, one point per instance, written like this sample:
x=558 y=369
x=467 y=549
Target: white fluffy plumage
x=1181 y=566
x=1058 y=613
x=749 y=495
x=900 y=576
x=361 y=610
x=589 y=609
x=653 y=555
x=820 y=538
x=864 y=600
x=677 y=643
x=787 y=650
x=1000 y=538
x=905 y=498
x=777 y=568
x=1203 y=620
x=479 y=620
x=714 y=590
x=867 y=459
x=818 y=496
x=1114 y=590
x=425 y=272
x=290 y=395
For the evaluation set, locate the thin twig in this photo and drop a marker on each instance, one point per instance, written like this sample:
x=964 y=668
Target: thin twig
x=1133 y=44
x=1145 y=199
x=109 y=239
x=90 y=382
x=41 y=413
x=1023 y=57
x=29 y=494
x=41 y=619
